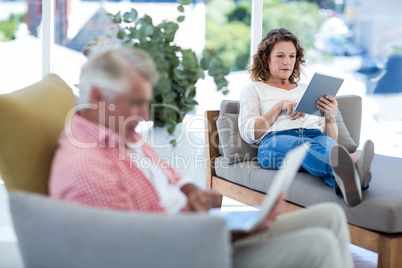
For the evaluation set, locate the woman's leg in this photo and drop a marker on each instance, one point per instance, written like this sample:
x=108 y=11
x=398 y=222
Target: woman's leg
x=314 y=237
x=319 y=156
x=346 y=175
x=273 y=149
x=363 y=160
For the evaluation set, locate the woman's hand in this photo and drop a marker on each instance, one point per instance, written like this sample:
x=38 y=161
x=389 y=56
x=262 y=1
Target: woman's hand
x=328 y=106
x=265 y=121
x=289 y=108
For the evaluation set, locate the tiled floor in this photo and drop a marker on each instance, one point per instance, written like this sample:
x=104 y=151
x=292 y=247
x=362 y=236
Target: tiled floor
x=10 y=256
x=363 y=258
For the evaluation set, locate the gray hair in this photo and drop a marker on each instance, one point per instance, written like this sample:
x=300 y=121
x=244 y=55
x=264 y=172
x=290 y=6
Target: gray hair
x=108 y=68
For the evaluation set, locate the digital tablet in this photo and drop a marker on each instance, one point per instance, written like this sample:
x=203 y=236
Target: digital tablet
x=245 y=221
x=321 y=85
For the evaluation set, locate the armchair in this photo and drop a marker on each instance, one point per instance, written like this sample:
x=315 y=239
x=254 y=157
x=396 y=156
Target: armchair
x=53 y=233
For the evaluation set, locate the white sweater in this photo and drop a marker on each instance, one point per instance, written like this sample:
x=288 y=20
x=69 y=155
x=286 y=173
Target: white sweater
x=257 y=98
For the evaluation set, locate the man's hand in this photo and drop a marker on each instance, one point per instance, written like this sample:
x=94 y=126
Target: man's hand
x=271 y=217
x=268 y=221
x=200 y=200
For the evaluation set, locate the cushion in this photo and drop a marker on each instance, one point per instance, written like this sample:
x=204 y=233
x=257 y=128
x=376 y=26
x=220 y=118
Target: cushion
x=53 y=233
x=228 y=107
x=31 y=120
x=344 y=137
x=232 y=145
x=351 y=109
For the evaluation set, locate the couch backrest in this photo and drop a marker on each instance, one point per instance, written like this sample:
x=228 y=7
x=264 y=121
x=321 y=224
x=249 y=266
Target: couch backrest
x=53 y=233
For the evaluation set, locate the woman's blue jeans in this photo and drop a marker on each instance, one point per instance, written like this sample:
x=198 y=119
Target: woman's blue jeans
x=277 y=144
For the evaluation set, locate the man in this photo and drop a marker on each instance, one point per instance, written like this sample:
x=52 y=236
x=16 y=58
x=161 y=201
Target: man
x=92 y=166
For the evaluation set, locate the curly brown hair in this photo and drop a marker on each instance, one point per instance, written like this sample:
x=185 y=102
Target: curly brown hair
x=259 y=70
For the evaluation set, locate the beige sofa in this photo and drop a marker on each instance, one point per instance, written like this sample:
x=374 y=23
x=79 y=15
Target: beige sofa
x=375 y=224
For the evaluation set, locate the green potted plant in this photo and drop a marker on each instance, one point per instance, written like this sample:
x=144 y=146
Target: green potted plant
x=179 y=69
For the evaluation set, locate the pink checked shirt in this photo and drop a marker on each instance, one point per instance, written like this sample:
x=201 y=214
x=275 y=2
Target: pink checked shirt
x=91 y=167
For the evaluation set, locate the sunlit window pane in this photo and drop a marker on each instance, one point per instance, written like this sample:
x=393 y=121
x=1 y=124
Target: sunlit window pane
x=20 y=51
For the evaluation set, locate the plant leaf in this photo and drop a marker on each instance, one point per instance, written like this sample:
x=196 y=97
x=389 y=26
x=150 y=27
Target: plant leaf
x=121 y=34
x=205 y=62
x=173 y=142
x=117 y=18
x=170 y=29
x=186 y=2
x=130 y=16
x=134 y=14
x=147 y=19
x=179 y=69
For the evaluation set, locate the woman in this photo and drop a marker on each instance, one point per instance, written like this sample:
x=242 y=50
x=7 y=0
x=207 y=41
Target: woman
x=268 y=118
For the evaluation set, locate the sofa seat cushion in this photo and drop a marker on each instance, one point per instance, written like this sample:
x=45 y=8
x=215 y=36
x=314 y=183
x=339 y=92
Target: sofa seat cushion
x=380 y=210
